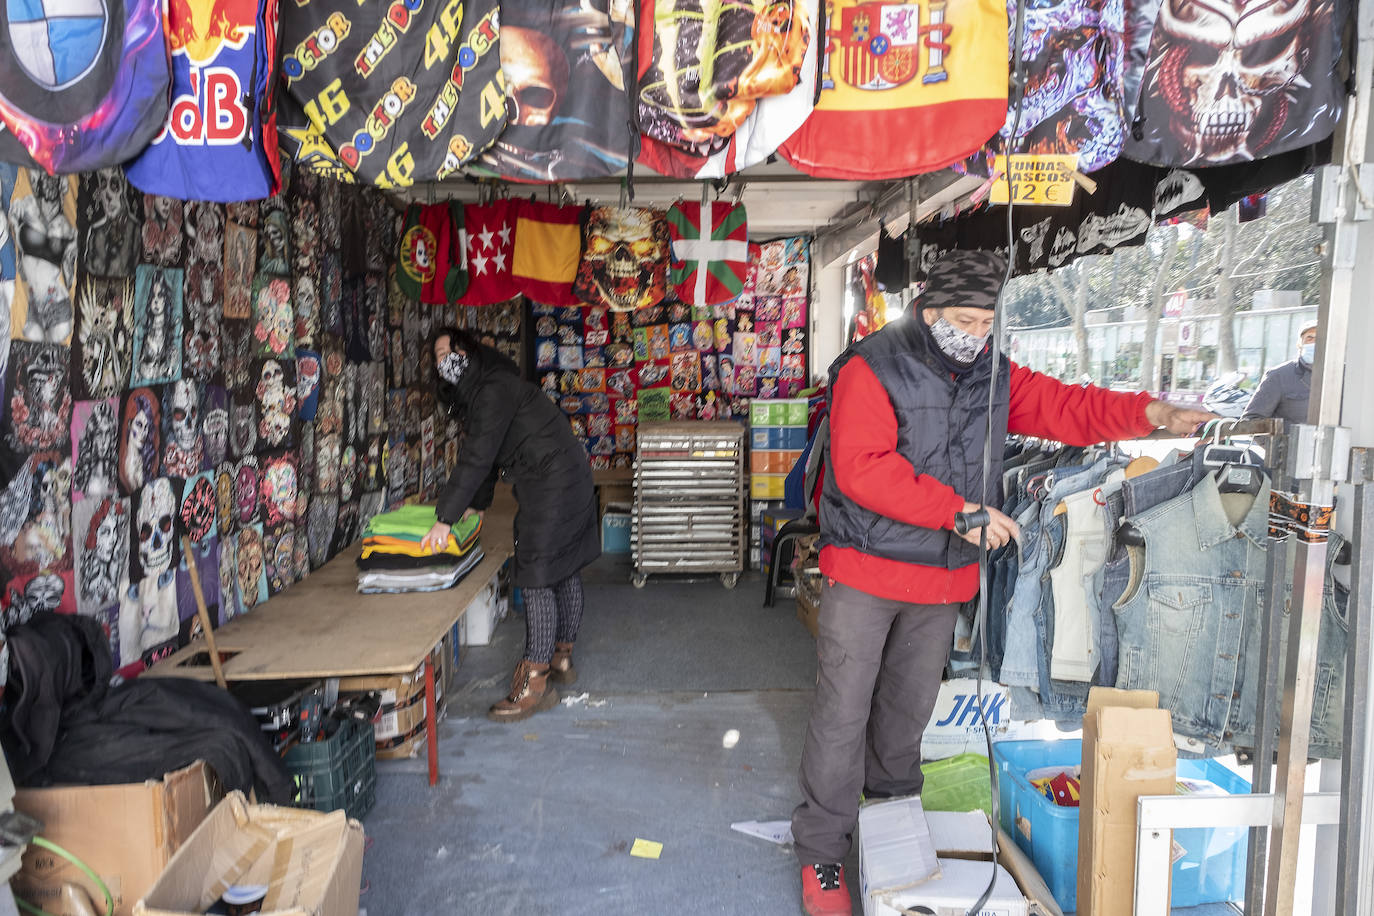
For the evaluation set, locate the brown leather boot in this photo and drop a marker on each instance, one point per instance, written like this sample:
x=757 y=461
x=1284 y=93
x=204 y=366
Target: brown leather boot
x=561 y=671
x=530 y=693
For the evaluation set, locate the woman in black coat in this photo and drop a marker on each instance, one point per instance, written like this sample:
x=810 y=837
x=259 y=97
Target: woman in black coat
x=511 y=428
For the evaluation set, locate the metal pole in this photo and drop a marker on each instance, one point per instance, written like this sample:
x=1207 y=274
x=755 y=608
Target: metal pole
x=1339 y=197
x=1354 y=870
x=1278 y=564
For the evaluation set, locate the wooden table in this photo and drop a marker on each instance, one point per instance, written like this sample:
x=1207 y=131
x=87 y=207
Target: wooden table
x=322 y=627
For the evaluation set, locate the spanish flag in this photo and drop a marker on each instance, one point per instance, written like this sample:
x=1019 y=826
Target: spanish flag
x=548 y=247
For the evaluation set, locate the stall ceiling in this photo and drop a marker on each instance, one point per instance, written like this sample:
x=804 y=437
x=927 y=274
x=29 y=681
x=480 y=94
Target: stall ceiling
x=780 y=199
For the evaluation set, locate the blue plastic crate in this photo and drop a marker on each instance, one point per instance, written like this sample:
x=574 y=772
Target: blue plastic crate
x=615 y=532
x=1212 y=869
x=794 y=438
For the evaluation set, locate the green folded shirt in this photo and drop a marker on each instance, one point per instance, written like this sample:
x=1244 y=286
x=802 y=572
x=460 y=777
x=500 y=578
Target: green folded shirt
x=413 y=522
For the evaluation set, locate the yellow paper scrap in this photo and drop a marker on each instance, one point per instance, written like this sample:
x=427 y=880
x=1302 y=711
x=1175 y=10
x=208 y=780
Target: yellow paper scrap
x=646 y=849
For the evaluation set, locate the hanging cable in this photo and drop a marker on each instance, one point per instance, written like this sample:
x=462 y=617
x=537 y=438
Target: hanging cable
x=1017 y=91
x=86 y=869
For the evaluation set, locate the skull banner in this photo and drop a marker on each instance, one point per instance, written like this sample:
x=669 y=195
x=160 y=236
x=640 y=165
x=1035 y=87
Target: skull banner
x=624 y=259
x=1235 y=80
x=566 y=66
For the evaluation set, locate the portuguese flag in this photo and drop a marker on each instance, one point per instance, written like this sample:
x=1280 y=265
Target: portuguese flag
x=710 y=247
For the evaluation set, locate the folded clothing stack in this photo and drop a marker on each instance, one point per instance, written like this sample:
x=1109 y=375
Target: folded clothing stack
x=394 y=561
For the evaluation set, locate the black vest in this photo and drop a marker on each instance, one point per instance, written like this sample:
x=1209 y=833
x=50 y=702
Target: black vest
x=941 y=422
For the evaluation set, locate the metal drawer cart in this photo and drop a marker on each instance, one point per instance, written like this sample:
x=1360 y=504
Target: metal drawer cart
x=689 y=501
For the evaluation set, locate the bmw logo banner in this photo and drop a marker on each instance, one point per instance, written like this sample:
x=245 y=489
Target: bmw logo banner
x=83 y=83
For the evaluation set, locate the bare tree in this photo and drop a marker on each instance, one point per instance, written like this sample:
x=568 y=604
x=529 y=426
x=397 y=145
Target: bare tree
x=1154 y=307
x=1070 y=287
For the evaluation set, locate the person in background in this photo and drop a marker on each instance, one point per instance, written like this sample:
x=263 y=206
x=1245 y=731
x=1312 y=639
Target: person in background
x=908 y=420
x=511 y=428
x=1285 y=389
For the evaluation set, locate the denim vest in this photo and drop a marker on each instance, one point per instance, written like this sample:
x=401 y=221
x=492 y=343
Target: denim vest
x=1195 y=591
x=1328 y=696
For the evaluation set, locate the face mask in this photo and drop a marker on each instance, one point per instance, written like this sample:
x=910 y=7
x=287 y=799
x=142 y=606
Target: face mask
x=452 y=366
x=1308 y=353
x=958 y=345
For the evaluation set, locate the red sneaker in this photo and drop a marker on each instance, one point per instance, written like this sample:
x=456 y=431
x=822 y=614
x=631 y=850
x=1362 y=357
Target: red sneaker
x=824 y=891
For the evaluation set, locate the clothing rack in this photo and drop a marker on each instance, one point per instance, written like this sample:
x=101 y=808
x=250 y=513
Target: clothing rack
x=1308 y=460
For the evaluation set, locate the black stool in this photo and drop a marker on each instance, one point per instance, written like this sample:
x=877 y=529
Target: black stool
x=788 y=533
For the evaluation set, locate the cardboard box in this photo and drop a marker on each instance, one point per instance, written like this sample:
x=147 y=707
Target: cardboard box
x=311 y=862
x=126 y=833
x=1128 y=751
x=400 y=723
x=896 y=854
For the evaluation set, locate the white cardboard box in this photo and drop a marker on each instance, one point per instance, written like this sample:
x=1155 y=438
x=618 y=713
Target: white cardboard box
x=911 y=861
x=479 y=620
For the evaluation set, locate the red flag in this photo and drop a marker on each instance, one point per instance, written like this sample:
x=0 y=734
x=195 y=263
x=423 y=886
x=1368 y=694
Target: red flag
x=710 y=248
x=491 y=243
x=548 y=247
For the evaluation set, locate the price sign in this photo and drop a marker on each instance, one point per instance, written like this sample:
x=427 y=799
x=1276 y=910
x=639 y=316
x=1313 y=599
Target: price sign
x=1044 y=181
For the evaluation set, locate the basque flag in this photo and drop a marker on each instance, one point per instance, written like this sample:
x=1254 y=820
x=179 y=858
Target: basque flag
x=710 y=251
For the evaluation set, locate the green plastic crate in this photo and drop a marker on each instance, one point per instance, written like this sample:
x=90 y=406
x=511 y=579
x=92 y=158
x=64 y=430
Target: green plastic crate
x=760 y=414
x=796 y=413
x=338 y=772
x=957 y=783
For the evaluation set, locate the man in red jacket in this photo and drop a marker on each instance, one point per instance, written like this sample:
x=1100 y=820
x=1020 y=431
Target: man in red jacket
x=908 y=420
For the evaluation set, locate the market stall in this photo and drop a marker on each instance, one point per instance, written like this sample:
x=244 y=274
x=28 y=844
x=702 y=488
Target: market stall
x=230 y=235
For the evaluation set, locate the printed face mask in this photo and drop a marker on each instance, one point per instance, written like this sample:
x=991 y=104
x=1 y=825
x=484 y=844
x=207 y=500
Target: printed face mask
x=958 y=345
x=452 y=366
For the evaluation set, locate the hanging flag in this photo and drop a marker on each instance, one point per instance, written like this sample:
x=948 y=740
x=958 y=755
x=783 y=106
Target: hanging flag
x=391 y=94
x=82 y=85
x=566 y=65
x=548 y=246
x=710 y=246
x=904 y=88
x=624 y=259
x=219 y=142
x=432 y=264
x=792 y=25
x=491 y=243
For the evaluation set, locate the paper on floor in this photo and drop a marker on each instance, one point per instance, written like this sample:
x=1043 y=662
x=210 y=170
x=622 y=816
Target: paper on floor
x=773 y=831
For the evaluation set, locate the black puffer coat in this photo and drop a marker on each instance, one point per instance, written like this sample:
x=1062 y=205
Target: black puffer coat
x=511 y=427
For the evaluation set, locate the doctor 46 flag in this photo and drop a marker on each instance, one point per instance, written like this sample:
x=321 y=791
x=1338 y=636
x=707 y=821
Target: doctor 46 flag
x=710 y=246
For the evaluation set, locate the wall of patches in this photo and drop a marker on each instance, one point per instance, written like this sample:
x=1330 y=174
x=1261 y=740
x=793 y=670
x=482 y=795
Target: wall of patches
x=243 y=375
x=677 y=361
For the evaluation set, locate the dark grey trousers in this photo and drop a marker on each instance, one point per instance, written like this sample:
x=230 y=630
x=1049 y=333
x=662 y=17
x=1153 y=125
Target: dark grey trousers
x=881 y=663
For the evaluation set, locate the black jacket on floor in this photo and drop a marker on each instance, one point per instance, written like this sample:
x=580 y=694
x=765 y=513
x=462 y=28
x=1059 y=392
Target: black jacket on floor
x=62 y=723
x=511 y=426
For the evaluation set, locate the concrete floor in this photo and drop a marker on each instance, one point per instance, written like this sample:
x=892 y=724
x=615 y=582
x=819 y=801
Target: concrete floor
x=539 y=817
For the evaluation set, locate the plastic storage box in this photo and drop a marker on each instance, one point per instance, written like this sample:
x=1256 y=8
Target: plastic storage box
x=1212 y=869
x=615 y=532
x=338 y=772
